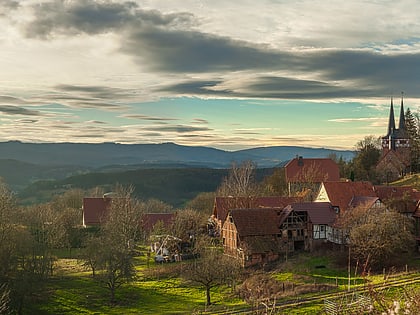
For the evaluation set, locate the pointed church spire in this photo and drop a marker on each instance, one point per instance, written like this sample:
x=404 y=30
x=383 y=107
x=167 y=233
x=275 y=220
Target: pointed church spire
x=401 y=125
x=391 y=123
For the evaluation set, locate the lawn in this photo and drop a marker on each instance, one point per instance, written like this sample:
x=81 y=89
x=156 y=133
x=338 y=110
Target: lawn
x=159 y=290
x=72 y=290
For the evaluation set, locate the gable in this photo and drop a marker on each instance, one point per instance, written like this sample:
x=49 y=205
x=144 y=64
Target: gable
x=341 y=194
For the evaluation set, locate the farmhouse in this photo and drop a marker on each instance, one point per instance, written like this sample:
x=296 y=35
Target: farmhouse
x=261 y=235
x=222 y=205
x=404 y=199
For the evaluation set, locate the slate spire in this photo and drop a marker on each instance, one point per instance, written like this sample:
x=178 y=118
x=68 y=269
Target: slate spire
x=401 y=126
x=391 y=123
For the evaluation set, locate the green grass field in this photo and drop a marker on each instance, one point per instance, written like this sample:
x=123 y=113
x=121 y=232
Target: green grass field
x=158 y=289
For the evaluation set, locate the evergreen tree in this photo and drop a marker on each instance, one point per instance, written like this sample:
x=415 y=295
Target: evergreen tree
x=413 y=130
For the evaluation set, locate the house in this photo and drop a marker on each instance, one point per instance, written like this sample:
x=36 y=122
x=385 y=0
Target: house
x=306 y=175
x=404 y=199
x=321 y=217
x=95 y=210
x=343 y=197
x=252 y=235
x=222 y=205
x=313 y=170
x=262 y=235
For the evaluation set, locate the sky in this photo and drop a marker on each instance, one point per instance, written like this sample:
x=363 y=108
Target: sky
x=222 y=74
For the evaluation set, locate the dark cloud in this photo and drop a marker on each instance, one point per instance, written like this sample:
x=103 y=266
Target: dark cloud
x=11 y=100
x=98 y=92
x=16 y=110
x=167 y=43
x=6 y=6
x=188 y=51
x=195 y=87
x=100 y=97
x=95 y=17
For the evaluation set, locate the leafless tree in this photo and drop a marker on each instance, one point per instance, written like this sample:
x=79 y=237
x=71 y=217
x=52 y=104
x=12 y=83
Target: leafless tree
x=377 y=235
x=260 y=290
x=240 y=181
x=211 y=270
x=112 y=258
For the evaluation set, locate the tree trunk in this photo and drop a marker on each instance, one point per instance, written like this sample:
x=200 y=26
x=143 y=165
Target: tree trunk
x=208 y=295
x=112 y=291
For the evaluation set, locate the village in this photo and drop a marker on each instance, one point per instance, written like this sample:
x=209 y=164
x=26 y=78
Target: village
x=256 y=230
x=307 y=233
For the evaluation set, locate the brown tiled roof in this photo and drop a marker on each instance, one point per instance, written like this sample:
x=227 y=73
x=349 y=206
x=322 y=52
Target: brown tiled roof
x=363 y=200
x=341 y=194
x=150 y=219
x=405 y=198
x=95 y=209
x=222 y=205
x=318 y=170
x=254 y=222
x=318 y=212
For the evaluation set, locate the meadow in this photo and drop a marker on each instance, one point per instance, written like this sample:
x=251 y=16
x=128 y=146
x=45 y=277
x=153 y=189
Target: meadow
x=158 y=288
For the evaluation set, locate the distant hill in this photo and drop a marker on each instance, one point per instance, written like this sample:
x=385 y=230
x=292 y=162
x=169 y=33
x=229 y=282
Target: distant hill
x=104 y=154
x=45 y=168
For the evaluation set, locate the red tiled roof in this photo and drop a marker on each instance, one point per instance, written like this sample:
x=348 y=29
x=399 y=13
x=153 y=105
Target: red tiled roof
x=341 y=194
x=150 y=219
x=315 y=170
x=318 y=212
x=222 y=205
x=254 y=222
x=94 y=209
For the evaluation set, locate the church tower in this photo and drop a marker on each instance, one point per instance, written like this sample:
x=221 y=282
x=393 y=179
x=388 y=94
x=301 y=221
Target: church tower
x=396 y=139
x=395 y=161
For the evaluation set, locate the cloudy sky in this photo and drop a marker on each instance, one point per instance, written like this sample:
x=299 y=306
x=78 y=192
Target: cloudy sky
x=225 y=74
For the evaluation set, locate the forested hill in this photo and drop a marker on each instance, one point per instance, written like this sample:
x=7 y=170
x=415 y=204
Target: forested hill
x=103 y=154
x=165 y=171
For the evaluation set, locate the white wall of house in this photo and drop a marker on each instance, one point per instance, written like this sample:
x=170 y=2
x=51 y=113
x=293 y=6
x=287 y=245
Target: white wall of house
x=319 y=231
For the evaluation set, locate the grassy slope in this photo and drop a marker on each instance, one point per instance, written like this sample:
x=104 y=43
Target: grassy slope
x=73 y=291
x=409 y=180
x=156 y=291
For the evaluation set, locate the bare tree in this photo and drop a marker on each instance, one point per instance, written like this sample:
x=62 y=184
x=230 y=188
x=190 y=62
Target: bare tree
x=211 y=270
x=189 y=224
x=240 y=181
x=377 y=235
x=203 y=202
x=260 y=290
x=111 y=259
